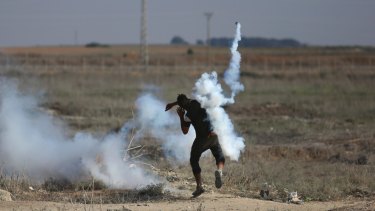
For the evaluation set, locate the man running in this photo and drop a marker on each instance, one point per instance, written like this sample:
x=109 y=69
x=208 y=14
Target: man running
x=205 y=138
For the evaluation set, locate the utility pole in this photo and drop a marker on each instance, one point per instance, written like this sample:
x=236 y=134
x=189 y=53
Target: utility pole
x=144 y=45
x=208 y=17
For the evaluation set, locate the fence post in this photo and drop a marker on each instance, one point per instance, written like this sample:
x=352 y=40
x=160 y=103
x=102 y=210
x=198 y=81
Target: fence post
x=102 y=64
x=7 y=63
x=158 y=65
x=45 y=64
x=265 y=64
x=336 y=63
x=26 y=64
x=174 y=64
x=64 y=62
x=84 y=64
x=369 y=61
x=121 y=66
x=319 y=64
x=194 y=63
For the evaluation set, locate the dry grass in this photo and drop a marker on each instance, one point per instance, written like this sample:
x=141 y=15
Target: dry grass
x=85 y=191
x=14 y=183
x=306 y=131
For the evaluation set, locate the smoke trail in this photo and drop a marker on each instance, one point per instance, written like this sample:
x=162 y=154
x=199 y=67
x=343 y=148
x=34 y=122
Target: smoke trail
x=209 y=93
x=34 y=143
x=232 y=74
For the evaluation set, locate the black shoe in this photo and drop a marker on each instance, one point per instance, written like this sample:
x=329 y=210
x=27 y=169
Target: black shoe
x=218 y=175
x=198 y=192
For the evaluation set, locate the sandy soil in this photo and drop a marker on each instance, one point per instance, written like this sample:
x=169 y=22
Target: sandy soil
x=207 y=201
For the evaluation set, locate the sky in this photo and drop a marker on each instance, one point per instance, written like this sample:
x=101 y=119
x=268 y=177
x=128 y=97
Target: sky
x=67 y=22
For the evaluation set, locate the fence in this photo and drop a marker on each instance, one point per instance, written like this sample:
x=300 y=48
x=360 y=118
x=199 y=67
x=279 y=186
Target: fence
x=176 y=63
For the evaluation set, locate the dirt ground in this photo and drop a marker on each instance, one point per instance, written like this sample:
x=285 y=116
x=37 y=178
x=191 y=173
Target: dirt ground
x=176 y=195
x=307 y=117
x=208 y=201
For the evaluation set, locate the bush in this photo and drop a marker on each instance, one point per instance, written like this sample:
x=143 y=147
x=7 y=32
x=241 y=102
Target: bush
x=190 y=52
x=54 y=185
x=96 y=45
x=177 y=40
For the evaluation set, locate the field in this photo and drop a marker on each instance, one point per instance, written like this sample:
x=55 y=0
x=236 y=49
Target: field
x=307 y=115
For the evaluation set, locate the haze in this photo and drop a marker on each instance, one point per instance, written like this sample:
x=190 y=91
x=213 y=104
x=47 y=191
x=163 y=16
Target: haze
x=67 y=22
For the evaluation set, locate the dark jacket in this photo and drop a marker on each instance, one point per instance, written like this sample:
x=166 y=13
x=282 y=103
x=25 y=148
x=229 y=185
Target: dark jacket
x=199 y=119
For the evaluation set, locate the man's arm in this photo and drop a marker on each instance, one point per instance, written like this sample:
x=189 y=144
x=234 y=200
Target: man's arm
x=184 y=124
x=170 y=105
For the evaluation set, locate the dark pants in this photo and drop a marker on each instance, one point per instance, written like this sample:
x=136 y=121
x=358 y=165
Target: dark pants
x=202 y=144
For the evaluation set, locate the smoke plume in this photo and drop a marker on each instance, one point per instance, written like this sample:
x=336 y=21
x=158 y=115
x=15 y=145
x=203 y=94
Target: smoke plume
x=164 y=126
x=209 y=93
x=35 y=144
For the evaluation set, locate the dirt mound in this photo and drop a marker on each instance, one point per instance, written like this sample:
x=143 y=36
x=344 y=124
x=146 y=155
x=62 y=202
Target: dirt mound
x=5 y=196
x=363 y=206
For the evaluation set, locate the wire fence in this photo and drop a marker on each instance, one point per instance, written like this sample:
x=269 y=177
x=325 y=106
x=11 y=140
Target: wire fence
x=177 y=63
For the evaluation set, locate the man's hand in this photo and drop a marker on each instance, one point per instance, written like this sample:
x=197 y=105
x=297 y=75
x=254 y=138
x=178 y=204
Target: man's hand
x=180 y=111
x=170 y=105
x=184 y=125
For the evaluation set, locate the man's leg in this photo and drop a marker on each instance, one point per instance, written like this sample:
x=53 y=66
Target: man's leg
x=195 y=155
x=220 y=160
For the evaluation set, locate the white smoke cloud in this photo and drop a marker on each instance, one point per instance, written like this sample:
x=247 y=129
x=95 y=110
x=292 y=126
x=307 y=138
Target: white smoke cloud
x=165 y=127
x=209 y=93
x=35 y=144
